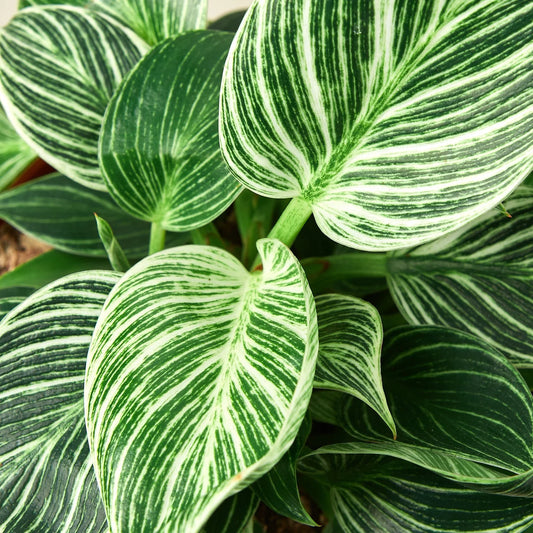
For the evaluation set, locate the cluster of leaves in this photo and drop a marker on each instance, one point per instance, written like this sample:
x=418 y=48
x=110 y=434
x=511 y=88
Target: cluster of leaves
x=223 y=369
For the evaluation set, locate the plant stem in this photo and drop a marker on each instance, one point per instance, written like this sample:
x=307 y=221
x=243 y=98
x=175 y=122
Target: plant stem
x=209 y=235
x=321 y=271
x=289 y=225
x=157 y=238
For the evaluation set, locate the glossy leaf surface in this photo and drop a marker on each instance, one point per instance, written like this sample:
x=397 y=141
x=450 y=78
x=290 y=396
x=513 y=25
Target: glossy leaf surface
x=159 y=147
x=59 y=66
x=382 y=494
x=60 y=212
x=396 y=121
x=47 y=480
x=199 y=376
x=15 y=154
x=477 y=279
x=349 y=354
x=156 y=20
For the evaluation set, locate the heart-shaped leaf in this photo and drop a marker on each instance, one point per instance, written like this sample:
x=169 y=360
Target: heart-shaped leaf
x=173 y=173
x=478 y=279
x=47 y=481
x=59 y=66
x=15 y=154
x=349 y=354
x=382 y=494
x=395 y=121
x=60 y=212
x=199 y=376
x=156 y=20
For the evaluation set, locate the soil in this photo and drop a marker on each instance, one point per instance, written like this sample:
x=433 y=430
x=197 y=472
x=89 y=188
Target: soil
x=16 y=248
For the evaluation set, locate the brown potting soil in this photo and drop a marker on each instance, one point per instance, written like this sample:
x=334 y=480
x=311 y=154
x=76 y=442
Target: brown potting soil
x=16 y=248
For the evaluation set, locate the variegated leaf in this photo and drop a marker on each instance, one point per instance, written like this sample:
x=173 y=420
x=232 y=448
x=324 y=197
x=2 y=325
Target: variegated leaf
x=199 y=376
x=15 y=154
x=477 y=279
x=459 y=406
x=30 y=3
x=59 y=66
x=234 y=515
x=159 y=148
x=386 y=495
x=349 y=354
x=396 y=121
x=47 y=482
x=156 y=20
x=60 y=212
x=11 y=297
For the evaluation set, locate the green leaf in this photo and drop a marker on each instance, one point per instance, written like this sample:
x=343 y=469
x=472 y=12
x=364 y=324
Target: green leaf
x=47 y=480
x=234 y=514
x=48 y=267
x=60 y=212
x=477 y=279
x=156 y=20
x=349 y=353
x=116 y=254
x=278 y=489
x=199 y=376
x=11 y=297
x=395 y=121
x=172 y=174
x=455 y=400
x=382 y=494
x=59 y=66
x=15 y=154
x=29 y=3
x=229 y=22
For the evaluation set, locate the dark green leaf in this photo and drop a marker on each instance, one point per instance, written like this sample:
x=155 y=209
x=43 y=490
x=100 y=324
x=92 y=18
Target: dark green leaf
x=234 y=514
x=229 y=22
x=115 y=253
x=11 y=297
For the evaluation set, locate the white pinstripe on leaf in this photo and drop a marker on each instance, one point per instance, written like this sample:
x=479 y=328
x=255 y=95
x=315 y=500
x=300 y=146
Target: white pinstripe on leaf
x=396 y=120
x=199 y=376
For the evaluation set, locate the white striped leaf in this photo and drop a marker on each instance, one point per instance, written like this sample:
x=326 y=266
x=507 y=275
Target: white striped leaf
x=199 y=376
x=234 y=514
x=159 y=148
x=59 y=66
x=11 y=297
x=349 y=353
x=47 y=481
x=29 y=3
x=386 y=495
x=15 y=154
x=477 y=279
x=396 y=121
x=278 y=488
x=60 y=212
x=458 y=405
x=156 y=20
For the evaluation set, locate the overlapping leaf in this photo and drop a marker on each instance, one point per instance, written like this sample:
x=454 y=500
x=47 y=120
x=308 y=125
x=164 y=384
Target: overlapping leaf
x=15 y=154
x=159 y=148
x=396 y=121
x=382 y=494
x=349 y=354
x=11 y=297
x=60 y=212
x=478 y=279
x=47 y=481
x=234 y=514
x=59 y=66
x=199 y=375
x=460 y=407
x=156 y=20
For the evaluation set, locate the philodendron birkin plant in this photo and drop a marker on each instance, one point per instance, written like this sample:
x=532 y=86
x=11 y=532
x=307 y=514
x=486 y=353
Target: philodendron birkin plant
x=319 y=270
